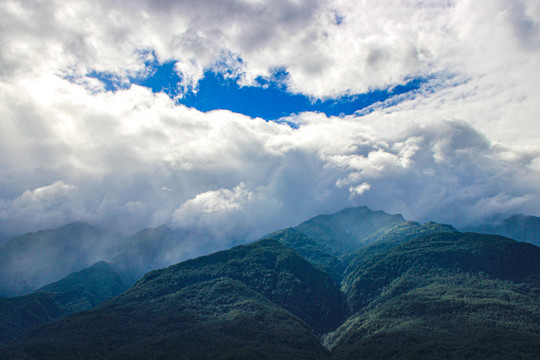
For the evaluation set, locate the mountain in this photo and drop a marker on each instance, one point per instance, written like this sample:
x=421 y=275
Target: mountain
x=349 y=229
x=364 y=230
x=358 y=284
x=255 y=301
x=518 y=227
x=446 y=295
x=311 y=250
x=30 y=261
x=326 y=239
x=77 y=292
x=275 y=271
x=150 y=249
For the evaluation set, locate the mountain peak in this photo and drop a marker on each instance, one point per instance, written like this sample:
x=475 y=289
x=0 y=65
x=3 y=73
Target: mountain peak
x=349 y=229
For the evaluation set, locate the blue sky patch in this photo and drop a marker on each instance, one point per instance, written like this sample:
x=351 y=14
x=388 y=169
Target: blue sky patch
x=269 y=101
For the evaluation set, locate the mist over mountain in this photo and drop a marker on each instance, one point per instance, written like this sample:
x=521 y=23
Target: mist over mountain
x=30 y=261
x=361 y=284
x=518 y=227
x=349 y=229
x=162 y=246
x=34 y=259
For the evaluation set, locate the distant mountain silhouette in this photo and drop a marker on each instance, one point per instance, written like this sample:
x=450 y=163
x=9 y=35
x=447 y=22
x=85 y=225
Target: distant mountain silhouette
x=30 y=261
x=518 y=227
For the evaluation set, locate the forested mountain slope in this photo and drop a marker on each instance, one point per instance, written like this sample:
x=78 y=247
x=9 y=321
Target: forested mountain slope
x=77 y=292
x=395 y=290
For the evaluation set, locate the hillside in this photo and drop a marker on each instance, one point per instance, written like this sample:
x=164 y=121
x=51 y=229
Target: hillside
x=77 y=292
x=446 y=295
x=349 y=229
x=262 y=291
x=312 y=250
x=395 y=290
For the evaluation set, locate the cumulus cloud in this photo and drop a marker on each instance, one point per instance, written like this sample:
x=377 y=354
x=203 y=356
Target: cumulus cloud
x=39 y=207
x=222 y=200
x=359 y=189
x=462 y=146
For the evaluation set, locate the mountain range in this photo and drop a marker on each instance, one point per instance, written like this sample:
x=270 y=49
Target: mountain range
x=358 y=284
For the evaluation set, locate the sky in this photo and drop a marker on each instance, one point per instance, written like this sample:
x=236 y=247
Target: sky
x=241 y=117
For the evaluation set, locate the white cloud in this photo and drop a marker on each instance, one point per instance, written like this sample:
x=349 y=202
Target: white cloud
x=464 y=145
x=359 y=189
x=222 y=200
x=40 y=207
x=120 y=151
x=190 y=74
x=44 y=197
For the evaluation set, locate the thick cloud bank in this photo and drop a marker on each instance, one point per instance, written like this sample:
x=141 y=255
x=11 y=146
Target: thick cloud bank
x=462 y=147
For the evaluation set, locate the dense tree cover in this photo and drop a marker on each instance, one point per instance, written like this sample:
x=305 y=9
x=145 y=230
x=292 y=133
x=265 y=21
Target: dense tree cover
x=442 y=314
x=77 y=292
x=215 y=319
x=275 y=271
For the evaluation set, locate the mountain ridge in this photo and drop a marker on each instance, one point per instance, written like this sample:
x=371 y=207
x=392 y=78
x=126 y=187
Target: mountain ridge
x=397 y=290
x=518 y=227
x=32 y=260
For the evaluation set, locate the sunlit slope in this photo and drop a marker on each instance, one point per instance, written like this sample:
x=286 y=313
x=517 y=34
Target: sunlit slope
x=446 y=295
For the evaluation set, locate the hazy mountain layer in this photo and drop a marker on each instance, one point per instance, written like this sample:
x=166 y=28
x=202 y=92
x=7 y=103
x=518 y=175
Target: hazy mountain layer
x=517 y=227
x=150 y=249
x=33 y=260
